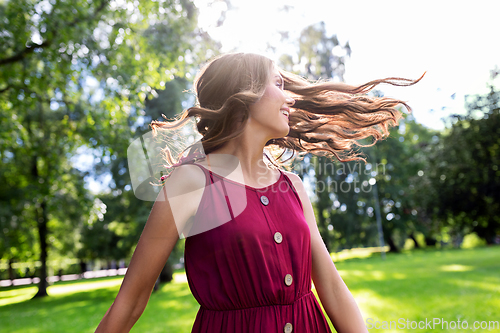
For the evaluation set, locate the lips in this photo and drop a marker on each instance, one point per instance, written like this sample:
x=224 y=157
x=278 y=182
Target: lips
x=286 y=112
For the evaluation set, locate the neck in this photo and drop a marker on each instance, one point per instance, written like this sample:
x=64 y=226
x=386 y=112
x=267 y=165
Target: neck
x=249 y=152
x=250 y=157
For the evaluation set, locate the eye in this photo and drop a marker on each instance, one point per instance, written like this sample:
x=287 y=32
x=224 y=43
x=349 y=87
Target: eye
x=279 y=81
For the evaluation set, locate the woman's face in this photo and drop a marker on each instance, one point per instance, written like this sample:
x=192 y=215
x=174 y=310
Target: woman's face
x=271 y=112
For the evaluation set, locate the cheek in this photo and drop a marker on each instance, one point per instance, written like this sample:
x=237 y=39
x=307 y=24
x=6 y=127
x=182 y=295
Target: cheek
x=273 y=94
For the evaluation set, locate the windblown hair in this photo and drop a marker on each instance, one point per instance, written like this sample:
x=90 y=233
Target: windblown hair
x=327 y=119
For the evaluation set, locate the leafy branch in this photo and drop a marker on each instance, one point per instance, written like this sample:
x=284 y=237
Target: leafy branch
x=32 y=46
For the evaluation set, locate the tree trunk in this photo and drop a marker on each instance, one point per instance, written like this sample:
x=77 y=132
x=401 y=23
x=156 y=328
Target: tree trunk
x=323 y=204
x=166 y=275
x=323 y=226
x=412 y=236
x=83 y=268
x=157 y=284
x=42 y=233
x=11 y=271
x=392 y=245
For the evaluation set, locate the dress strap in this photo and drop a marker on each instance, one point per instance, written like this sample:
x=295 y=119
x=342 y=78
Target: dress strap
x=224 y=188
x=210 y=170
x=290 y=184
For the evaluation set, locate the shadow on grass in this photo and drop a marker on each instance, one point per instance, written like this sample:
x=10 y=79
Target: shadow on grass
x=172 y=307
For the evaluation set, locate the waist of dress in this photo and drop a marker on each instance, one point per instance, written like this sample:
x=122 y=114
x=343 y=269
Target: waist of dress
x=308 y=294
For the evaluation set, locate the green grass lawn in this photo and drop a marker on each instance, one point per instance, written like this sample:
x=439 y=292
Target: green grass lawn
x=450 y=285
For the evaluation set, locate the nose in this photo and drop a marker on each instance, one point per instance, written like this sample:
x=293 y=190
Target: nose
x=290 y=101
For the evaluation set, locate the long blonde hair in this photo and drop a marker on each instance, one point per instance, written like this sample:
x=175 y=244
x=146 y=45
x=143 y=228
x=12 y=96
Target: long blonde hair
x=327 y=119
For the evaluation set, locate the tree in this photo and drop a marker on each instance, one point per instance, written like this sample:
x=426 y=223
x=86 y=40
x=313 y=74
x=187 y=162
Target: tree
x=72 y=74
x=464 y=170
x=400 y=162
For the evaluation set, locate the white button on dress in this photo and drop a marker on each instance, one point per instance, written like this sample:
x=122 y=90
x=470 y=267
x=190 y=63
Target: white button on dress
x=278 y=238
x=288 y=280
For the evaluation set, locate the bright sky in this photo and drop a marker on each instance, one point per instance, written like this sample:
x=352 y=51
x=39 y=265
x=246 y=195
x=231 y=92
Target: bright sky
x=454 y=41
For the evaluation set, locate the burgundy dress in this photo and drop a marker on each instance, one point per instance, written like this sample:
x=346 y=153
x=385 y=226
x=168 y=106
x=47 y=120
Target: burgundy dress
x=253 y=273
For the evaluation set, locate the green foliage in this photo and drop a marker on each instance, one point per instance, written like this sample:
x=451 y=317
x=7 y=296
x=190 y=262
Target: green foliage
x=319 y=56
x=399 y=162
x=319 y=50
x=471 y=241
x=464 y=171
x=345 y=191
x=73 y=74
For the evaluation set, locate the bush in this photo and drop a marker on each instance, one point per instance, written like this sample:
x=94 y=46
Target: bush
x=471 y=241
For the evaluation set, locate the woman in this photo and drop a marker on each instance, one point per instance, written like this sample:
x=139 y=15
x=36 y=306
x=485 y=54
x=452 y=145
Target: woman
x=252 y=242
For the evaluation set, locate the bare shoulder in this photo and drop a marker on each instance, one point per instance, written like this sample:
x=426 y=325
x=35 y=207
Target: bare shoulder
x=185 y=179
x=184 y=190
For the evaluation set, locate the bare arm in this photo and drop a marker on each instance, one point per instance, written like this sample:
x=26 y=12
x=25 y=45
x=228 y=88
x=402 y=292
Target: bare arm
x=154 y=247
x=335 y=297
